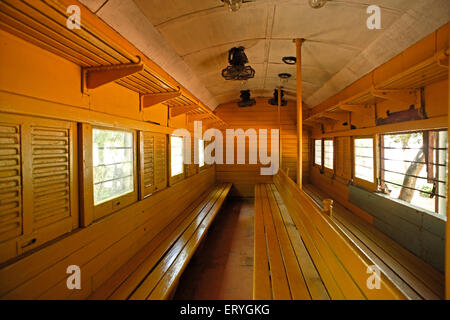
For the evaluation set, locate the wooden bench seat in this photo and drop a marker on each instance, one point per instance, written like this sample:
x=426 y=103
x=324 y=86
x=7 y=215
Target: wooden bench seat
x=300 y=253
x=418 y=279
x=153 y=273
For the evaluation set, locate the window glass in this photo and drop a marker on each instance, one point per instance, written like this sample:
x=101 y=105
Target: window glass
x=112 y=163
x=176 y=152
x=414 y=168
x=318 y=152
x=328 y=154
x=364 y=159
x=201 y=153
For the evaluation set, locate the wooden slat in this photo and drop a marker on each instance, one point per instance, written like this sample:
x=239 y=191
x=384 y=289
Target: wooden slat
x=10 y=181
x=130 y=269
x=313 y=280
x=347 y=262
x=320 y=262
x=261 y=276
x=151 y=280
x=297 y=285
x=171 y=277
x=403 y=264
x=280 y=286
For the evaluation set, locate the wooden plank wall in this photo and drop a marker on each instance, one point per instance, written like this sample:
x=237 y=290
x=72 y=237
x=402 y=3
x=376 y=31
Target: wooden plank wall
x=261 y=116
x=337 y=185
x=38 y=83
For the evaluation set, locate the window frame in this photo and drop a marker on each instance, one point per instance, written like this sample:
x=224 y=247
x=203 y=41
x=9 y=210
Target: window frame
x=326 y=169
x=381 y=181
x=371 y=186
x=321 y=165
x=92 y=212
x=181 y=176
x=204 y=166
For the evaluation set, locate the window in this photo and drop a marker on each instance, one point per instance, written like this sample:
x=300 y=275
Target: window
x=201 y=153
x=364 y=159
x=413 y=168
x=328 y=154
x=318 y=152
x=112 y=153
x=176 y=158
x=109 y=171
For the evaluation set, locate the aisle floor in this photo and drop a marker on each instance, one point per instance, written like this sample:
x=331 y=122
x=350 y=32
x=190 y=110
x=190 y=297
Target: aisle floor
x=223 y=267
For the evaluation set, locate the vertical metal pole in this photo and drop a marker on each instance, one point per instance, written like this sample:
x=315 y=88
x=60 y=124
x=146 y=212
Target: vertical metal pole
x=298 y=44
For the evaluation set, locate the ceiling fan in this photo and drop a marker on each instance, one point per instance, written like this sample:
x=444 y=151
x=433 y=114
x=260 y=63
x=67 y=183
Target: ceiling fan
x=234 y=5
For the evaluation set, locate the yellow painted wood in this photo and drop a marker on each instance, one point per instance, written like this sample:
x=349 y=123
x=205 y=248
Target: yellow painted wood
x=169 y=281
x=349 y=256
x=313 y=280
x=261 y=275
x=421 y=277
x=279 y=281
x=297 y=285
x=298 y=45
x=124 y=291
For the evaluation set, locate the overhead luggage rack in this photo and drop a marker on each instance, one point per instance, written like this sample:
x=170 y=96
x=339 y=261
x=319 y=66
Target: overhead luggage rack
x=94 y=46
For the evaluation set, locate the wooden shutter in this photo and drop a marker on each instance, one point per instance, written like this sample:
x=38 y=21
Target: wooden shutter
x=50 y=175
x=342 y=152
x=147 y=153
x=37 y=187
x=160 y=166
x=10 y=182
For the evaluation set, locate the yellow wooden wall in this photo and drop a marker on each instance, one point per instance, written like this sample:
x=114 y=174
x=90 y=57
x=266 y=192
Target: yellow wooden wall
x=38 y=83
x=262 y=116
x=436 y=98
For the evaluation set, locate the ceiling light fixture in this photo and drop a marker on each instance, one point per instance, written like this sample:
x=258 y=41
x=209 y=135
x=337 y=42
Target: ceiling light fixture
x=289 y=60
x=246 y=101
x=233 y=5
x=274 y=100
x=237 y=70
x=284 y=78
x=317 y=4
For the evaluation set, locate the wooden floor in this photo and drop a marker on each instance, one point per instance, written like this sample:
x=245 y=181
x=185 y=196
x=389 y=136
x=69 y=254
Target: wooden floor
x=223 y=267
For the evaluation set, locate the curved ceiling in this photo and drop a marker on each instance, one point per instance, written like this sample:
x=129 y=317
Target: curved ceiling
x=339 y=48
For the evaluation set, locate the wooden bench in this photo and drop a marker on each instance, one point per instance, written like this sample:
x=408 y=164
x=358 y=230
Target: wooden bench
x=418 y=279
x=301 y=254
x=153 y=273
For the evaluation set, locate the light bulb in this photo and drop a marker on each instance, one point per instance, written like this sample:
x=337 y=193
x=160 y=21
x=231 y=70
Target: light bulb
x=316 y=4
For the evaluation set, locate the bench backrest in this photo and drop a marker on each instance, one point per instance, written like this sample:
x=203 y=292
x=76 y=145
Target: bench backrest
x=345 y=270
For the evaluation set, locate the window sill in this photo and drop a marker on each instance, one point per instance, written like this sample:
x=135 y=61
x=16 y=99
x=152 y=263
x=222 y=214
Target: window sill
x=409 y=205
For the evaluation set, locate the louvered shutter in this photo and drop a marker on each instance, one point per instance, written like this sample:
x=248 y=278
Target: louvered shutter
x=37 y=199
x=51 y=176
x=160 y=165
x=10 y=182
x=147 y=163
